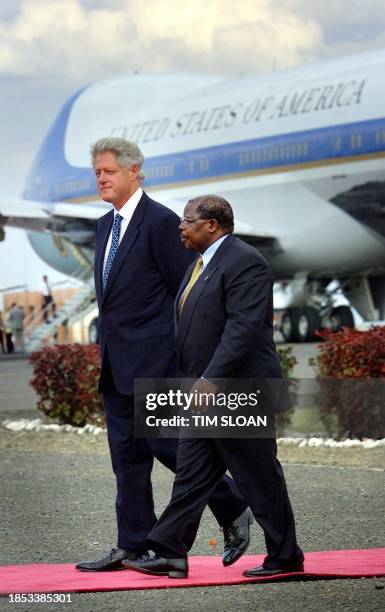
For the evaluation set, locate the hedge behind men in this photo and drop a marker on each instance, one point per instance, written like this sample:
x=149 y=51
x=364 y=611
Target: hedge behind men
x=139 y=264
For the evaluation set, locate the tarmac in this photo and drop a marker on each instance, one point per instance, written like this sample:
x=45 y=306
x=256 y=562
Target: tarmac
x=57 y=506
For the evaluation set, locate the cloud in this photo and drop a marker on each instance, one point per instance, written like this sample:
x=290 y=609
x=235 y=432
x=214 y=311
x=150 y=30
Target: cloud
x=50 y=48
x=361 y=25
x=83 y=41
x=8 y=9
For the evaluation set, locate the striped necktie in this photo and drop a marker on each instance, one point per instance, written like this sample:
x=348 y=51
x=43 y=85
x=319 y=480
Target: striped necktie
x=113 y=248
x=193 y=279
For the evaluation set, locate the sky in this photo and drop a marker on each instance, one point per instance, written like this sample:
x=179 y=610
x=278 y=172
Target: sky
x=51 y=48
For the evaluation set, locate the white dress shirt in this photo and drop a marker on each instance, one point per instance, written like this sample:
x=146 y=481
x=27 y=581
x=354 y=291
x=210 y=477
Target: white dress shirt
x=211 y=250
x=45 y=289
x=126 y=212
x=207 y=257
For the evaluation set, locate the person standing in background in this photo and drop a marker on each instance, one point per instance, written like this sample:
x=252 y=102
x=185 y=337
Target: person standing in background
x=3 y=337
x=8 y=333
x=31 y=315
x=47 y=299
x=16 y=325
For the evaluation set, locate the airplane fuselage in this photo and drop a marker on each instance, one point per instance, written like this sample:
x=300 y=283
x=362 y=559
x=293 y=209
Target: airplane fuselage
x=299 y=154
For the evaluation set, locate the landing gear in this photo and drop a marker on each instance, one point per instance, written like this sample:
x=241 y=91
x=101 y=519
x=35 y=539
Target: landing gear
x=311 y=306
x=341 y=317
x=300 y=324
x=308 y=323
x=93 y=333
x=288 y=325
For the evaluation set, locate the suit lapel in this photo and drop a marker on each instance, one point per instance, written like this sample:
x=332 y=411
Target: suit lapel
x=103 y=234
x=180 y=291
x=197 y=289
x=126 y=243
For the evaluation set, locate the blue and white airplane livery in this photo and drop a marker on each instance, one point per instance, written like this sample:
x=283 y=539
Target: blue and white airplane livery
x=300 y=154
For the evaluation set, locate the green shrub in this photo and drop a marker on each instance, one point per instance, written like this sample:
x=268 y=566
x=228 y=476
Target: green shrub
x=351 y=371
x=65 y=378
x=288 y=363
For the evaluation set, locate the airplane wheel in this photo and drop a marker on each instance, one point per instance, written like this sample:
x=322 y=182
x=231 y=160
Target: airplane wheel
x=341 y=317
x=288 y=327
x=307 y=323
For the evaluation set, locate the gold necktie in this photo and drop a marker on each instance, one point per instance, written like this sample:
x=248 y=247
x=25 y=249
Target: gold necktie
x=193 y=279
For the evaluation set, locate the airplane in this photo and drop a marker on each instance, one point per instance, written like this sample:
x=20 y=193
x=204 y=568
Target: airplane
x=299 y=153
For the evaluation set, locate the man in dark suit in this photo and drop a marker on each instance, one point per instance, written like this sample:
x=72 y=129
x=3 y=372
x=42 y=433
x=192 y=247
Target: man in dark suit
x=224 y=331
x=139 y=264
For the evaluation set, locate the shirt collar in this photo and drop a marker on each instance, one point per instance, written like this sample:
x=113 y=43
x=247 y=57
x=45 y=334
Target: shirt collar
x=129 y=207
x=211 y=250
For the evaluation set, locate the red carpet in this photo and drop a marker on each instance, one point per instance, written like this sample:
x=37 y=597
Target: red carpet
x=204 y=571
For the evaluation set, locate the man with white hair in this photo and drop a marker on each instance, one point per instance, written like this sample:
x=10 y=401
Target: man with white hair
x=139 y=264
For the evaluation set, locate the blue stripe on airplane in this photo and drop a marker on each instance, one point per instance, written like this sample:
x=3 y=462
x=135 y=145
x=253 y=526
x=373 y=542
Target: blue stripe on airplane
x=57 y=180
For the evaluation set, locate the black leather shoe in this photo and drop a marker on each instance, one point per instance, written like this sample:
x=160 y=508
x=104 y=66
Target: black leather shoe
x=237 y=538
x=262 y=571
x=159 y=566
x=111 y=562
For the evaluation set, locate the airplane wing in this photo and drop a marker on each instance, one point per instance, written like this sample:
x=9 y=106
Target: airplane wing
x=91 y=210
x=53 y=217
x=76 y=221
x=18 y=208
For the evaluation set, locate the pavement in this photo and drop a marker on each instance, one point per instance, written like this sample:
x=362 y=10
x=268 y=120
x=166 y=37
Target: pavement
x=17 y=398
x=57 y=506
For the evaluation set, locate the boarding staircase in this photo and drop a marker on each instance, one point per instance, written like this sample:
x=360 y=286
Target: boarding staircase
x=44 y=333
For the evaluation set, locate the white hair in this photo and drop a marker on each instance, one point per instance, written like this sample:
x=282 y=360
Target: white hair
x=127 y=153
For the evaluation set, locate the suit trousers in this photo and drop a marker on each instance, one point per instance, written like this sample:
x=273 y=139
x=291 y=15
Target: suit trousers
x=259 y=476
x=132 y=461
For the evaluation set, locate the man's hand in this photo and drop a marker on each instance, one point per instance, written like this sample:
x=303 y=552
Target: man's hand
x=203 y=392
